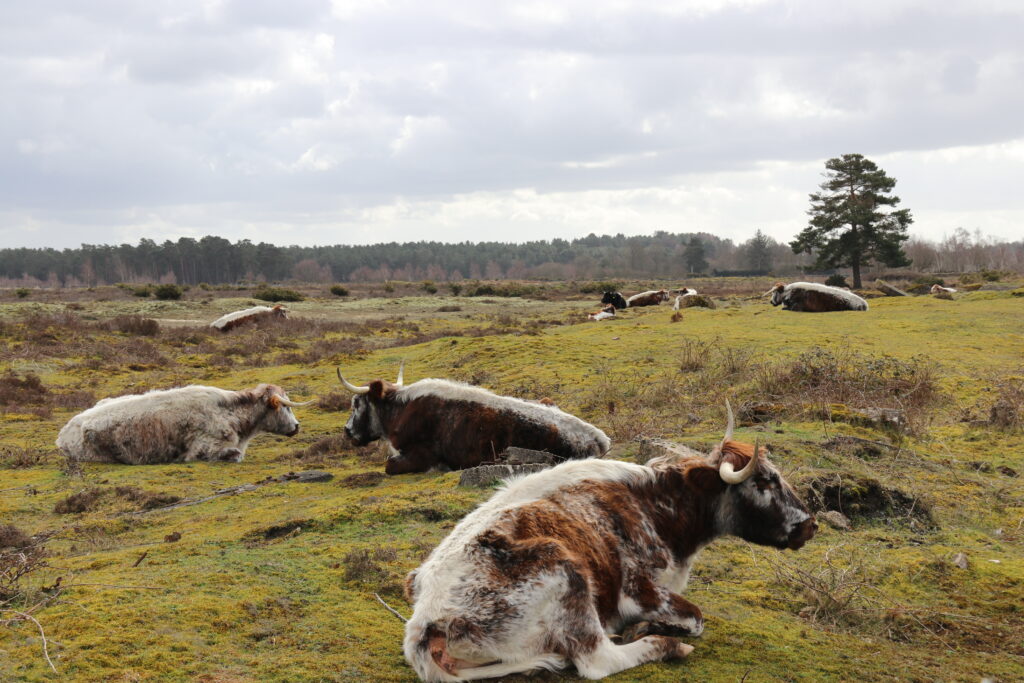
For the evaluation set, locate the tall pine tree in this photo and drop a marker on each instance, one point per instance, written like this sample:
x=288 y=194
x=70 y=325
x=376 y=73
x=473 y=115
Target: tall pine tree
x=694 y=256
x=852 y=221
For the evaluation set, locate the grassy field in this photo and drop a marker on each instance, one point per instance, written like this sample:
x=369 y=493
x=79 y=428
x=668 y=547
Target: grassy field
x=277 y=582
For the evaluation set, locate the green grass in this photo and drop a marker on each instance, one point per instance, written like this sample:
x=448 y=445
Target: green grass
x=225 y=604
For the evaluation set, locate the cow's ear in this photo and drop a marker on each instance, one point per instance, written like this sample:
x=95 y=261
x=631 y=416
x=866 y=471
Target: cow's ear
x=376 y=389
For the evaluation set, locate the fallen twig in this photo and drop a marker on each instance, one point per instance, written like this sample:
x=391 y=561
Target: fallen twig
x=389 y=608
x=112 y=585
x=141 y=558
x=42 y=634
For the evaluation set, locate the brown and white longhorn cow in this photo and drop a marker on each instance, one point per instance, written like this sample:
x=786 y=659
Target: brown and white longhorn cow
x=605 y=313
x=939 y=289
x=545 y=571
x=436 y=423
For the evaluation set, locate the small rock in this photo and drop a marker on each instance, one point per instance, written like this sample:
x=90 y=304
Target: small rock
x=514 y=455
x=308 y=476
x=651 y=448
x=172 y=537
x=485 y=475
x=960 y=560
x=887 y=289
x=1006 y=471
x=836 y=520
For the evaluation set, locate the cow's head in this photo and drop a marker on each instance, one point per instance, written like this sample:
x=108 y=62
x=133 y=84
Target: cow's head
x=776 y=293
x=364 y=424
x=760 y=506
x=278 y=417
x=279 y=311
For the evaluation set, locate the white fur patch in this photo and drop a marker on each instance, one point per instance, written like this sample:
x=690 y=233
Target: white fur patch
x=581 y=434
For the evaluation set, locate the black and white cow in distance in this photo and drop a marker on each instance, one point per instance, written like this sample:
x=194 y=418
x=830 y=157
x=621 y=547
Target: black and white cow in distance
x=437 y=423
x=177 y=425
x=552 y=565
x=615 y=299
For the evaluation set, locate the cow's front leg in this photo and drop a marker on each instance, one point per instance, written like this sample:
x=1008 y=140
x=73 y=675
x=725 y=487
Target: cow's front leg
x=673 y=615
x=407 y=461
x=231 y=455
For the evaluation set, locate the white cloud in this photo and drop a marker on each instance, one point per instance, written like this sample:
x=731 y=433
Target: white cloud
x=402 y=120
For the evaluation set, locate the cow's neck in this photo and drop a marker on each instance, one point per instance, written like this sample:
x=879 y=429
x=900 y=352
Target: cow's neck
x=247 y=419
x=685 y=517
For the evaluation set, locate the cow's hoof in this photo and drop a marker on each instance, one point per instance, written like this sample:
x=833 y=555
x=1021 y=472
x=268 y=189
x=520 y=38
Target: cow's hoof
x=230 y=455
x=635 y=632
x=682 y=649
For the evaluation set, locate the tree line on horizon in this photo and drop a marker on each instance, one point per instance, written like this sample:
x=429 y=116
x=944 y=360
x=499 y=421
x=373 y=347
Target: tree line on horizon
x=854 y=223
x=662 y=255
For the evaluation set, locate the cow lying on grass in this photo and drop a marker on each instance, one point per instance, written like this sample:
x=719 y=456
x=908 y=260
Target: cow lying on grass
x=177 y=425
x=248 y=316
x=435 y=423
x=540 y=575
x=811 y=297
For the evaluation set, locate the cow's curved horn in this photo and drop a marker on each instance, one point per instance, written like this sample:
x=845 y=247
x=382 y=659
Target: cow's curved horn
x=295 y=404
x=730 y=423
x=730 y=476
x=352 y=387
x=401 y=374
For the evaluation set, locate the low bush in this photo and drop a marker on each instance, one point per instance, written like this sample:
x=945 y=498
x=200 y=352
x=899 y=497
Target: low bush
x=836 y=280
x=142 y=291
x=22 y=292
x=429 y=287
x=136 y=324
x=339 y=290
x=276 y=294
x=167 y=292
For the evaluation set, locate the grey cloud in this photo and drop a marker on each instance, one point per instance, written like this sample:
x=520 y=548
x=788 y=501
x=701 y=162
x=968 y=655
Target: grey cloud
x=118 y=106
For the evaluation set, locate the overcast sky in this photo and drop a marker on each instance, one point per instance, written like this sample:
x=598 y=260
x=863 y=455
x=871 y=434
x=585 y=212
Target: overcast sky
x=320 y=122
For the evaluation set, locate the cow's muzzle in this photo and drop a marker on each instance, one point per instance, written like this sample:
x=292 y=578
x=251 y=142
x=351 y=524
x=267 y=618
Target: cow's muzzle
x=294 y=431
x=803 y=533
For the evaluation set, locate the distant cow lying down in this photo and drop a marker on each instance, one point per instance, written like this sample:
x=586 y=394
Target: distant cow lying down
x=250 y=315
x=605 y=313
x=649 y=298
x=435 y=423
x=812 y=297
x=177 y=425
x=939 y=289
x=540 y=575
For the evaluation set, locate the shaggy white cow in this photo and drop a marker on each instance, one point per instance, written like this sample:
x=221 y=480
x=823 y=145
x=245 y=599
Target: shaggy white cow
x=177 y=425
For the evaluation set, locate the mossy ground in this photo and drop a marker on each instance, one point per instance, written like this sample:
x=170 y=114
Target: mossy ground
x=231 y=602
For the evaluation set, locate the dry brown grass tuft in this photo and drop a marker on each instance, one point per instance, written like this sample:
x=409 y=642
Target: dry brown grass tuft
x=363 y=565
x=17 y=458
x=77 y=503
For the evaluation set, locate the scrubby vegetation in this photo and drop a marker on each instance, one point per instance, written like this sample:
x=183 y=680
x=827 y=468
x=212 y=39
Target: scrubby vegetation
x=252 y=576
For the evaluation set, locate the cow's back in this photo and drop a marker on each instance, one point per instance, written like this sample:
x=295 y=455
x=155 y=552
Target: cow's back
x=470 y=426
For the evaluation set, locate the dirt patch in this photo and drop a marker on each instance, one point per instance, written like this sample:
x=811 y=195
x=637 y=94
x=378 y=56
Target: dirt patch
x=13 y=537
x=145 y=500
x=362 y=479
x=91 y=498
x=83 y=501
x=866 y=500
x=276 y=531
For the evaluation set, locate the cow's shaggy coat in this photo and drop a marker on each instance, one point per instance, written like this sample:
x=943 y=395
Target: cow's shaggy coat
x=436 y=423
x=177 y=425
x=250 y=315
x=811 y=297
x=541 y=574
